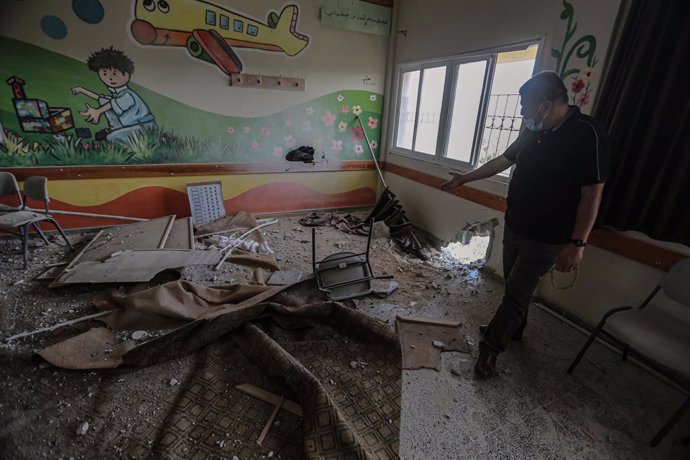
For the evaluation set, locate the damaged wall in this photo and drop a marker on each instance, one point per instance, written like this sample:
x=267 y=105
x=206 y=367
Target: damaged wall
x=465 y=26
x=184 y=52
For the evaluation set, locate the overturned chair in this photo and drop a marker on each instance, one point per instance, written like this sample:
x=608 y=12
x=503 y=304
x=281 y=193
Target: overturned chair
x=35 y=188
x=344 y=275
x=658 y=335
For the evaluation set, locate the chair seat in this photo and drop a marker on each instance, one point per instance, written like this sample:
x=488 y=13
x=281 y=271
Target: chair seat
x=656 y=334
x=6 y=208
x=19 y=218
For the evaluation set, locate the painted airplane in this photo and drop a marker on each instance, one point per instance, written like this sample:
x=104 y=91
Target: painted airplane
x=210 y=32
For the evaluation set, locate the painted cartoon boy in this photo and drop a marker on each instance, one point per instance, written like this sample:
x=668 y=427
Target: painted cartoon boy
x=125 y=111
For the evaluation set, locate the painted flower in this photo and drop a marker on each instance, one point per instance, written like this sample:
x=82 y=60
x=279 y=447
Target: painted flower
x=373 y=144
x=306 y=126
x=342 y=127
x=290 y=141
x=288 y=122
x=345 y=109
x=336 y=146
x=583 y=100
x=359 y=149
x=231 y=130
x=246 y=129
x=310 y=110
x=357 y=133
x=328 y=118
x=357 y=110
x=373 y=122
x=340 y=98
x=277 y=151
x=255 y=144
x=265 y=132
x=578 y=85
x=372 y=97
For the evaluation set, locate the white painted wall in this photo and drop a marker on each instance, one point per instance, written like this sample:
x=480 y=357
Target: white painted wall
x=448 y=27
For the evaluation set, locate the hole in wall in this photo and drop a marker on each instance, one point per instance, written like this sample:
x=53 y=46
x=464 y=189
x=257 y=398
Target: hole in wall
x=473 y=244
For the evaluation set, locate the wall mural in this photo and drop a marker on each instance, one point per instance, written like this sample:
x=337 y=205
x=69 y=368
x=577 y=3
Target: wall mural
x=577 y=80
x=56 y=110
x=210 y=32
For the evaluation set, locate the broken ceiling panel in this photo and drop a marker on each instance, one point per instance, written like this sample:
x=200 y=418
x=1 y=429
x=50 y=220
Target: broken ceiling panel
x=182 y=235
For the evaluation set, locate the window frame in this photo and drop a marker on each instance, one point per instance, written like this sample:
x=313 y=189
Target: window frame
x=452 y=64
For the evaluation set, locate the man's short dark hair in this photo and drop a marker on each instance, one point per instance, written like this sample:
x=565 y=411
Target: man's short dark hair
x=108 y=58
x=546 y=85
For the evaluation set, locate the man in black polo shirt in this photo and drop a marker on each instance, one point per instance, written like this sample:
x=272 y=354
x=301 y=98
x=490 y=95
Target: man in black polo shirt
x=560 y=163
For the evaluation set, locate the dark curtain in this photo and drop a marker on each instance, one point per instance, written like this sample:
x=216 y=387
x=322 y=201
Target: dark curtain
x=645 y=106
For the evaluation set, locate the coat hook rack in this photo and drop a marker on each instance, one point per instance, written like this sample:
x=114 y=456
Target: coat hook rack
x=267 y=82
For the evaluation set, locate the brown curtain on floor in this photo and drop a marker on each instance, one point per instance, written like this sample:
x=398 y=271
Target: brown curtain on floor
x=645 y=105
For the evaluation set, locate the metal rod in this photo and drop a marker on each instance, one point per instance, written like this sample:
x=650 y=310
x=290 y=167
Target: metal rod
x=88 y=214
x=376 y=163
x=59 y=325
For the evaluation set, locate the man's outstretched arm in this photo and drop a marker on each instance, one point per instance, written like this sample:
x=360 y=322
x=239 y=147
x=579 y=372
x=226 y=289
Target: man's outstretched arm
x=488 y=169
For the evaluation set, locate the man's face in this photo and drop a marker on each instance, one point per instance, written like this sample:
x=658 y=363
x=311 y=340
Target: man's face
x=113 y=77
x=530 y=106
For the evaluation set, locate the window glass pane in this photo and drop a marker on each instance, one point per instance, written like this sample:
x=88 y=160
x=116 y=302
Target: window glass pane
x=463 y=120
x=503 y=118
x=429 y=117
x=408 y=108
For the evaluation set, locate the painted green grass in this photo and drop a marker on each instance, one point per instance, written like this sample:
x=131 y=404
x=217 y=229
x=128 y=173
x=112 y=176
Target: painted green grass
x=187 y=135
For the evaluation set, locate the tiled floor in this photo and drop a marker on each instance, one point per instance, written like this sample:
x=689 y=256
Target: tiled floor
x=534 y=409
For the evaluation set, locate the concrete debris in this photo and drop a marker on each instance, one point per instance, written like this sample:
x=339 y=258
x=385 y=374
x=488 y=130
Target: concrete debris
x=83 y=428
x=173 y=382
x=439 y=344
x=456 y=372
x=138 y=335
x=16 y=283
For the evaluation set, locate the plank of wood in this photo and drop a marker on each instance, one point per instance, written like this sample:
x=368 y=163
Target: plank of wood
x=164 y=238
x=420 y=320
x=269 y=422
x=270 y=398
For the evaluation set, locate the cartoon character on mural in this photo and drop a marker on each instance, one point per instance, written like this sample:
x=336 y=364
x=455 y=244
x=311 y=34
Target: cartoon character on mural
x=124 y=109
x=210 y=32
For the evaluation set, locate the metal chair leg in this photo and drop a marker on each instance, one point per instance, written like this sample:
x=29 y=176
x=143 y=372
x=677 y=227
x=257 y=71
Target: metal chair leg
x=54 y=222
x=671 y=423
x=40 y=232
x=25 y=244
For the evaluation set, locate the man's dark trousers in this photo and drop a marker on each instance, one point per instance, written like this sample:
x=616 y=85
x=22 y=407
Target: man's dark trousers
x=524 y=262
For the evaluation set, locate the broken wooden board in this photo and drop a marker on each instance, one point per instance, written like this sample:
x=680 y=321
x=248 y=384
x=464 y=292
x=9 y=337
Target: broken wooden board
x=417 y=336
x=182 y=235
x=140 y=235
x=134 y=266
x=270 y=398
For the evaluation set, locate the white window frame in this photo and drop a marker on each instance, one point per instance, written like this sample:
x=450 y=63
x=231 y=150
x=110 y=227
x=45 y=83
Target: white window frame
x=451 y=63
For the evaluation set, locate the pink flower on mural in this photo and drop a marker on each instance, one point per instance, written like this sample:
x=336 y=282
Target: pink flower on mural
x=373 y=144
x=373 y=122
x=577 y=86
x=340 y=98
x=290 y=141
x=357 y=134
x=265 y=132
x=336 y=146
x=342 y=127
x=309 y=110
x=328 y=118
x=277 y=151
x=246 y=129
x=357 y=110
x=288 y=122
x=583 y=100
x=372 y=97
x=255 y=144
x=231 y=130
x=306 y=126
x=359 y=149
x=345 y=109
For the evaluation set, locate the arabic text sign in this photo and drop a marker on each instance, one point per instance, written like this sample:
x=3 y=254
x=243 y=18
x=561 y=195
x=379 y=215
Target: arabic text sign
x=357 y=15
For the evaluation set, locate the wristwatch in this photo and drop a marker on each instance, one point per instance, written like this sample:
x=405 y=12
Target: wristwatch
x=578 y=243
